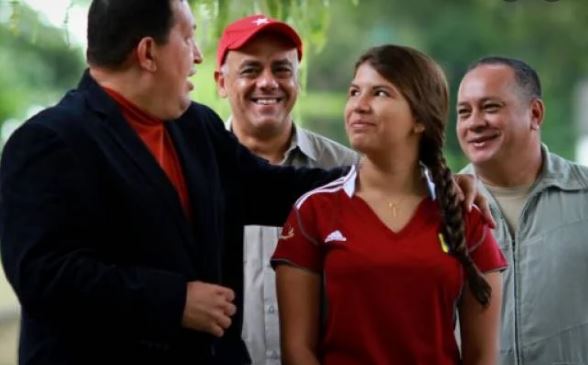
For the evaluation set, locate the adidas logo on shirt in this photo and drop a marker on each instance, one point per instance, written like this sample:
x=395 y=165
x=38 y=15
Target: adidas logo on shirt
x=335 y=236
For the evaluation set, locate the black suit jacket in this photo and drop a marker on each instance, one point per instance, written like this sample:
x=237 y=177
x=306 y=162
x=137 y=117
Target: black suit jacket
x=95 y=242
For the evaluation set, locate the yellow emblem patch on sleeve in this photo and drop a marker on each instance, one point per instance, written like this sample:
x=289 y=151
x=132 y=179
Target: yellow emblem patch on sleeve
x=444 y=246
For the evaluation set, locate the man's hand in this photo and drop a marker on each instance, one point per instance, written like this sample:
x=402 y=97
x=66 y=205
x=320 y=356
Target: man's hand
x=467 y=192
x=208 y=308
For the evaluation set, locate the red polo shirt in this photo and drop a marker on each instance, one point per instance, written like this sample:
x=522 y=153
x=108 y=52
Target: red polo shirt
x=391 y=296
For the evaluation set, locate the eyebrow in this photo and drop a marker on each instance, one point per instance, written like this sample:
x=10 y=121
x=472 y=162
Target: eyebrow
x=482 y=100
x=283 y=61
x=393 y=91
x=376 y=86
x=256 y=63
x=249 y=62
x=384 y=86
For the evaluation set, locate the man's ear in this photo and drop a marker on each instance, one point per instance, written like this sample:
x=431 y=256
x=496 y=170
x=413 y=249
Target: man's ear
x=146 y=52
x=219 y=77
x=537 y=113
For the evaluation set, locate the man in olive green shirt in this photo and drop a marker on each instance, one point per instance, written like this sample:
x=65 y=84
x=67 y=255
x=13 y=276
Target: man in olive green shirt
x=540 y=203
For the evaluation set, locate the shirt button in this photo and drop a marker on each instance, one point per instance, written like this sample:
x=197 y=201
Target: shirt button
x=271 y=309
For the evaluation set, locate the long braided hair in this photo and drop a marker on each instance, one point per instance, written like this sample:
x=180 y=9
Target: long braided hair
x=422 y=82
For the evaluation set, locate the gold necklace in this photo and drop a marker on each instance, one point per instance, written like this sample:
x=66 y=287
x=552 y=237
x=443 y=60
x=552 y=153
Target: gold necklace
x=393 y=206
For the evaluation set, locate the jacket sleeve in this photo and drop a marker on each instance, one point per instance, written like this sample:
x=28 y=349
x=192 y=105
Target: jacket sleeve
x=50 y=257
x=270 y=191
x=267 y=192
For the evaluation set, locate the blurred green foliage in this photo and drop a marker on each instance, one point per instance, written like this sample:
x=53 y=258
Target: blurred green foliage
x=36 y=63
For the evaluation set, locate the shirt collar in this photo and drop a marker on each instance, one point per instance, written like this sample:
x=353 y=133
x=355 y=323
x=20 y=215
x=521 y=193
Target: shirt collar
x=349 y=181
x=229 y=124
x=560 y=173
x=555 y=172
x=300 y=140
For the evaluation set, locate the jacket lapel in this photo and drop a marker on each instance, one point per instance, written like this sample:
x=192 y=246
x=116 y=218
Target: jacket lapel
x=203 y=188
x=130 y=143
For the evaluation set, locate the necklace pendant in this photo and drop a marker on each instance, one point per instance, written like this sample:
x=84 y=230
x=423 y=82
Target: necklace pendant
x=393 y=207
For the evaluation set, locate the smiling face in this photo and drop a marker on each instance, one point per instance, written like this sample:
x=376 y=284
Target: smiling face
x=495 y=117
x=377 y=116
x=260 y=81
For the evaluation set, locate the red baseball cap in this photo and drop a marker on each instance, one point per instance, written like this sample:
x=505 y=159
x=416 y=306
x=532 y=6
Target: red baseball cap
x=242 y=30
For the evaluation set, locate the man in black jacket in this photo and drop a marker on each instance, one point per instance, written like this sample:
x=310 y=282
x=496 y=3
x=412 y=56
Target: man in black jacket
x=120 y=204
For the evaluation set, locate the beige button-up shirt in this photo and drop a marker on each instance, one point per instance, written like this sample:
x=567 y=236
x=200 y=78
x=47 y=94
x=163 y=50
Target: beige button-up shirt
x=545 y=296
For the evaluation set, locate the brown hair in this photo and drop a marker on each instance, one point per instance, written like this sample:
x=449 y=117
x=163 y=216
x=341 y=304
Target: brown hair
x=424 y=85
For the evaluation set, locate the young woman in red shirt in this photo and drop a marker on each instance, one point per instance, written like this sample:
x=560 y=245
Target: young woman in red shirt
x=375 y=267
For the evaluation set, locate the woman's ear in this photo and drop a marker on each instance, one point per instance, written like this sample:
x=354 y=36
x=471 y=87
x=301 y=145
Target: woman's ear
x=418 y=128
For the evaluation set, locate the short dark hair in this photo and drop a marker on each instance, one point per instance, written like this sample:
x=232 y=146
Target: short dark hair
x=115 y=27
x=526 y=77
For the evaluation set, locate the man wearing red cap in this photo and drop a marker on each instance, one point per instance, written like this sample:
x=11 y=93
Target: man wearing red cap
x=257 y=71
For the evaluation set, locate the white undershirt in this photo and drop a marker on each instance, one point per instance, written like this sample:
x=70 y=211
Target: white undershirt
x=511 y=201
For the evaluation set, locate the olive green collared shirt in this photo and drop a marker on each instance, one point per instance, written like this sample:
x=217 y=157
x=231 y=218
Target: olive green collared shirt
x=545 y=293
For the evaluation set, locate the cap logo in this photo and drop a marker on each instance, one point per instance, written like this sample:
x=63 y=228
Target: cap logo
x=238 y=33
x=260 y=21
